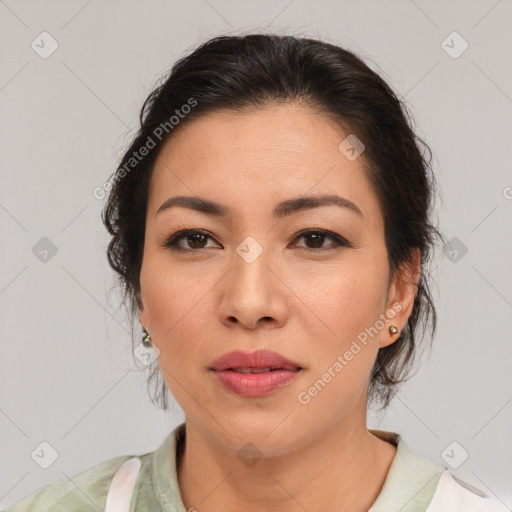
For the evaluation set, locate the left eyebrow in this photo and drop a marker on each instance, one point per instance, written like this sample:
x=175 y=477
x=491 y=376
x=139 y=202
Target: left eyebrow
x=283 y=209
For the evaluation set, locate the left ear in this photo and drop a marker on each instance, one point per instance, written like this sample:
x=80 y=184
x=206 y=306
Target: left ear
x=401 y=297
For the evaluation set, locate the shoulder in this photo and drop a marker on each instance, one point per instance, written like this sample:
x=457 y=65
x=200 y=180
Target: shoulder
x=454 y=495
x=415 y=482
x=84 y=491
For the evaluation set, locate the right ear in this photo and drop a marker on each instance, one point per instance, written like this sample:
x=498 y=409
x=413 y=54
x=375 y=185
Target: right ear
x=141 y=308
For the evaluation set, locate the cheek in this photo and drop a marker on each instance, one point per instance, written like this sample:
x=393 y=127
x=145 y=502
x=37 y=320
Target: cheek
x=349 y=298
x=175 y=303
x=173 y=306
x=348 y=303
x=341 y=361
x=168 y=293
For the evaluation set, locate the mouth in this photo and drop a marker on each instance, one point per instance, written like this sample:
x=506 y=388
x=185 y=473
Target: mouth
x=254 y=374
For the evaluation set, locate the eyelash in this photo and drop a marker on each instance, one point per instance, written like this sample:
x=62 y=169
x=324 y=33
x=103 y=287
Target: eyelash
x=172 y=241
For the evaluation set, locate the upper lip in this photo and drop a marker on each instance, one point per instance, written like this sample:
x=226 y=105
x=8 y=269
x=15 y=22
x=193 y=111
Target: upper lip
x=257 y=359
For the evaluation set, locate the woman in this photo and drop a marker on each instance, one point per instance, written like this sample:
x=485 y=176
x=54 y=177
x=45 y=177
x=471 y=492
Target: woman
x=271 y=227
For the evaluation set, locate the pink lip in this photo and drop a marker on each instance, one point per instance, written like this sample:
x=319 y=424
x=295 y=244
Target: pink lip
x=257 y=359
x=282 y=372
x=255 y=384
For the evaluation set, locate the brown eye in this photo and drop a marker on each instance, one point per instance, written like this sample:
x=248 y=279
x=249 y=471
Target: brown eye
x=317 y=238
x=194 y=239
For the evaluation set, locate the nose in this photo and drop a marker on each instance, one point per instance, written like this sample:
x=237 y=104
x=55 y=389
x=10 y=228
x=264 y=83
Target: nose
x=253 y=294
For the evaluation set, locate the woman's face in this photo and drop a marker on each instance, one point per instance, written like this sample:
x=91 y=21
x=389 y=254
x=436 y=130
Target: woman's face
x=256 y=282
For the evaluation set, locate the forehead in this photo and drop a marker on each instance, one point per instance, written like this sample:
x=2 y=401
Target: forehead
x=256 y=158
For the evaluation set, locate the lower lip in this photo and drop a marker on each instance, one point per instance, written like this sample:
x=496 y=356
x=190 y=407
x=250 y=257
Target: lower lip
x=255 y=384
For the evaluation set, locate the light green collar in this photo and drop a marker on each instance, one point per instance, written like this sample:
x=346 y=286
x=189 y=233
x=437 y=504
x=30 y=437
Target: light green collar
x=411 y=480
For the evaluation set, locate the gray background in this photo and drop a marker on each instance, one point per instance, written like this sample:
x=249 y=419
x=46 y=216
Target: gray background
x=66 y=371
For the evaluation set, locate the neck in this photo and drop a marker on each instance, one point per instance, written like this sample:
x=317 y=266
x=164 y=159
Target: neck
x=345 y=468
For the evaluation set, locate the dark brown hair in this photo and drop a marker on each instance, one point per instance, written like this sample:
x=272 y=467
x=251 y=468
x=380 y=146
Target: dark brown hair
x=255 y=70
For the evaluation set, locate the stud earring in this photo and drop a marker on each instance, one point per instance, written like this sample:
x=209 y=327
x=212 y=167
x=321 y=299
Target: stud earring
x=393 y=329
x=146 y=338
